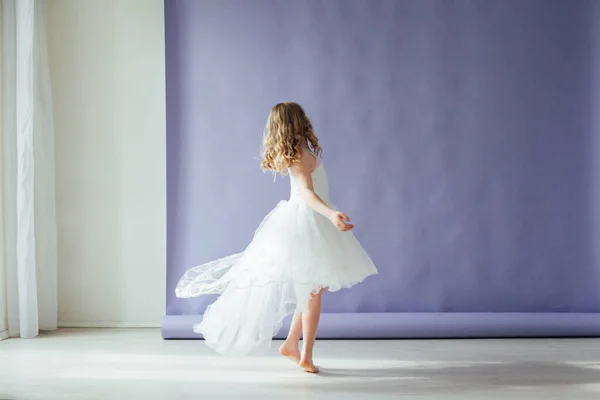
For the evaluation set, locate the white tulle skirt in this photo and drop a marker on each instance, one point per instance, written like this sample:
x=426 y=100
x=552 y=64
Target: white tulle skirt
x=295 y=253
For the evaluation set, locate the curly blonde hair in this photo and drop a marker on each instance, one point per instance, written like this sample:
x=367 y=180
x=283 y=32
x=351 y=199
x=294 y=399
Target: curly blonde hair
x=287 y=130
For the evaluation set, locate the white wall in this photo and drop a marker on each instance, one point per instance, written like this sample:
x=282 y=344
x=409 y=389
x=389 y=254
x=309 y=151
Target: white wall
x=107 y=64
x=3 y=310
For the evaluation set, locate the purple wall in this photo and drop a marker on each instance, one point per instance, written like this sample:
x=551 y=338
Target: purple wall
x=461 y=136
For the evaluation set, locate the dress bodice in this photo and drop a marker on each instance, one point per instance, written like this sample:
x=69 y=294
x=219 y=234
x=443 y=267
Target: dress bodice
x=320 y=184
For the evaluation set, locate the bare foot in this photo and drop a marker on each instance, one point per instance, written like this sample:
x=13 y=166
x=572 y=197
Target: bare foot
x=308 y=366
x=290 y=351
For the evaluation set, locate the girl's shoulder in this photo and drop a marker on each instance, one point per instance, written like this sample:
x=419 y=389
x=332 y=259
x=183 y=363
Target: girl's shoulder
x=311 y=158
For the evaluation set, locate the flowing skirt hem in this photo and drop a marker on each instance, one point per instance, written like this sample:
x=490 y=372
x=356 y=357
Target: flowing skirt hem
x=261 y=338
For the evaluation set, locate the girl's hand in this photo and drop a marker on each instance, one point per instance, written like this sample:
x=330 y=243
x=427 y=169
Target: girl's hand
x=340 y=221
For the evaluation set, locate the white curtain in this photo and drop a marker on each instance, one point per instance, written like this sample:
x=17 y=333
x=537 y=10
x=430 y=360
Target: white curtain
x=28 y=276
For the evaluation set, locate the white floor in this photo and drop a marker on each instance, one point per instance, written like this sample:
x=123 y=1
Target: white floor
x=138 y=364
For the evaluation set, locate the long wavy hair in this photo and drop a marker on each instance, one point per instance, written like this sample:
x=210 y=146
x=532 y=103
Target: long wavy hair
x=287 y=130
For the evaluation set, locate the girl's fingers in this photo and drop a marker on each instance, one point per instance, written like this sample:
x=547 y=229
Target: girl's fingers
x=345 y=227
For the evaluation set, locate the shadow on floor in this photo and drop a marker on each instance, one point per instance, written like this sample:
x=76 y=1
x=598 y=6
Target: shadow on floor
x=458 y=376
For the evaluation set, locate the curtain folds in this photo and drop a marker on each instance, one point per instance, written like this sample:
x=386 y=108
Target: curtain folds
x=28 y=270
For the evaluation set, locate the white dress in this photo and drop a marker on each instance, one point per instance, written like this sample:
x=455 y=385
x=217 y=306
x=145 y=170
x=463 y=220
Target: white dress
x=295 y=252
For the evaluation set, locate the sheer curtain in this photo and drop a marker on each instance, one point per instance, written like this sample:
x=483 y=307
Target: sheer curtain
x=28 y=276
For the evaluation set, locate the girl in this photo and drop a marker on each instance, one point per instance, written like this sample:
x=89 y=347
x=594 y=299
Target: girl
x=303 y=247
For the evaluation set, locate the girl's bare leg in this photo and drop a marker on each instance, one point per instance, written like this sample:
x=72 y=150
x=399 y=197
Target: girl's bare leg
x=310 y=324
x=290 y=347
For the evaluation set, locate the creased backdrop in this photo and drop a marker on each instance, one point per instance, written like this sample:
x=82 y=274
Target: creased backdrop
x=462 y=137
